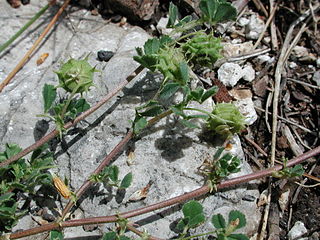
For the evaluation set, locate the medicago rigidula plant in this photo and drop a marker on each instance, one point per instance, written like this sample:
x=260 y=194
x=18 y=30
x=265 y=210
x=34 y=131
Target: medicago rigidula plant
x=75 y=77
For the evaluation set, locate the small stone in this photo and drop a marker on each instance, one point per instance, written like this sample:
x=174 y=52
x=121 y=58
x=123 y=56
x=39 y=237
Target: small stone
x=318 y=62
x=162 y=26
x=300 y=52
x=264 y=59
x=229 y=74
x=316 y=78
x=248 y=73
x=243 y=21
x=292 y=65
x=297 y=231
x=255 y=27
x=234 y=49
x=105 y=55
x=246 y=107
x=267 y=39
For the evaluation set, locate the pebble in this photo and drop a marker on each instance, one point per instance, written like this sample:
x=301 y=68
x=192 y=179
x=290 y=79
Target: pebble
x=234 y=49
x=297 y=231
x=299 y=51
x=255 y=27
x=243 y=21
x=318 y=62
x=316 y=78
x=229 y=74
x=248 y=73
x=264 y=59
x=292 y=65
x=246 y=107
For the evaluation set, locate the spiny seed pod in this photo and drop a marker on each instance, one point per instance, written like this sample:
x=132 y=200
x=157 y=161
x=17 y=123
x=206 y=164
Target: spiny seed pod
x=226 y=120
x=168 y=63
x=76 y=76
x=202 y=49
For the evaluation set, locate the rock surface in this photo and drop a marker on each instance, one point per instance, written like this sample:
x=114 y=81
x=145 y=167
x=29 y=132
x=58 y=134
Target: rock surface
x=167 y=154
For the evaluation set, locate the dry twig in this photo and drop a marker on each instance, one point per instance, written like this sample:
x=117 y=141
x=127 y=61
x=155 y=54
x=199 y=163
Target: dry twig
x=26 y=57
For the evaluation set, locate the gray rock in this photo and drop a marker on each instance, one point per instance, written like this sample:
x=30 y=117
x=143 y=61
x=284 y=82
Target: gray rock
x=297 y=231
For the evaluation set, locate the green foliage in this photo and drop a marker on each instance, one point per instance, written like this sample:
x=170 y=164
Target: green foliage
x=219 y=168
x=21 y=176
x=75 y=77
x=56 y=235
x=193 y=216
x=214 y=11
x=226 y=120
x=236 y=221
x=110 y=176
x=286 y=172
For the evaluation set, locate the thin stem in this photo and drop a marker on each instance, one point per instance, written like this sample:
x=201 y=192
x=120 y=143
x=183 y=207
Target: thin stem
x=26 y=57
x=179 y=199
x=25 y=27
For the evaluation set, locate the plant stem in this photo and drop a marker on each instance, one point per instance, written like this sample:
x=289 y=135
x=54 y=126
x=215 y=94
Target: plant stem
x=55 y=132
x=179 y=199
x=25 y=27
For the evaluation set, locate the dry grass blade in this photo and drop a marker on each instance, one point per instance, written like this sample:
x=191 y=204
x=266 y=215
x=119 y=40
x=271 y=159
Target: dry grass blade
x=26 y=57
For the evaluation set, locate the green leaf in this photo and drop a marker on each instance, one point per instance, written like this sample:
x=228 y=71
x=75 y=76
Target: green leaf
x=214 y=11
x=184 y=20
x=126 y=181
x=81 y=105
x=11 y=150
x=209 y=93
x=208 y=9
x=151 y=112
x=152 y=46
x=56 y=235
x=297 y=171
x=6 y=197
x=193 y=211
x=225 y=12
x=218 y=153
x=188 y=124
x=234 y=214
x=139 y=124
x=197 y=94
x=178 y=111
x=218 y=221
x=109 y=236
x=173 y=15
x=124 y=238
x=169 y=90
x=49 y=94
x=237 y=237
x=113 y=173
x=184 y=72
x=36 y=153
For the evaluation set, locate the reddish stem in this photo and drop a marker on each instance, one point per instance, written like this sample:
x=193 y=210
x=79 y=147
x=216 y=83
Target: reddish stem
x=179 y=199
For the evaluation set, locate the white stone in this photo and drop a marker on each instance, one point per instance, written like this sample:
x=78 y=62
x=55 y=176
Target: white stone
x=248 y=73
x=297 y=231
x=316 y=78
x=229 y=74
x=255 y=27
x=292 y=65
x=264 y=59
x=318 y=62
x=234 y=49
x=243 y=21
x=246 y=107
